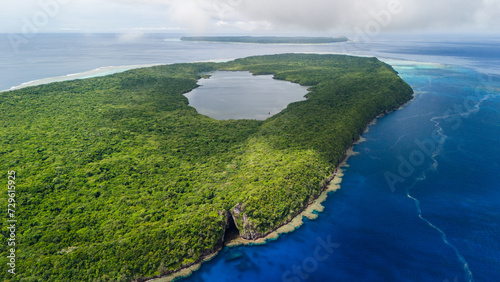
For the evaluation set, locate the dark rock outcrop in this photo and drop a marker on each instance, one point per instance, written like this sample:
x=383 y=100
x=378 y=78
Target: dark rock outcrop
x=243 y=224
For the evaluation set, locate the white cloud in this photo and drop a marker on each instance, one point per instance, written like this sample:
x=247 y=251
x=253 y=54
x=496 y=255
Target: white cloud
x=194 y=15
x=260 y=15
x=345 y=15
x=336 y=15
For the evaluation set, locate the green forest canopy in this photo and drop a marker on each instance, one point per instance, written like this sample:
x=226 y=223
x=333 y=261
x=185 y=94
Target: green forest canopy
x=118 y=178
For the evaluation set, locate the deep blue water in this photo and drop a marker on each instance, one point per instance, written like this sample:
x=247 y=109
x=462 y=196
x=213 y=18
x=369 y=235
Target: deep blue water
x=420 y=202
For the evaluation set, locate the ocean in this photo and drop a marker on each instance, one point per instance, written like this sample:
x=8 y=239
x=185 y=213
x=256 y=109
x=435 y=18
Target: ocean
x=421 y=200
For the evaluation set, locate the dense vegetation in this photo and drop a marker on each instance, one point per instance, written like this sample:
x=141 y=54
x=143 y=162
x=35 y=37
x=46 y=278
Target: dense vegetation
x=267 y=39
x=118 y=178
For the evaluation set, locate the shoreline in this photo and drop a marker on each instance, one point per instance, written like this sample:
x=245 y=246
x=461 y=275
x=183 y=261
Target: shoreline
x=290 y=226
x=311 y=211
x=108 y=70
x=98 y=72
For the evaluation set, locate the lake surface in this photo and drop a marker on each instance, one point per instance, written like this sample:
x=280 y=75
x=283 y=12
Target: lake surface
x=241 y=95
x=420 y=202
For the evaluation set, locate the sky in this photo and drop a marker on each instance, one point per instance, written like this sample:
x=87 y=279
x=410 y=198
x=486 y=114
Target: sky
x=262 y=17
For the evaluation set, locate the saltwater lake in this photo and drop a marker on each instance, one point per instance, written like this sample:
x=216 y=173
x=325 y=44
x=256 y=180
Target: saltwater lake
x=241 y=95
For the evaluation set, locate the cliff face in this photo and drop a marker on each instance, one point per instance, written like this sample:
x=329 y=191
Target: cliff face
x=246 y=229
x=244 y=226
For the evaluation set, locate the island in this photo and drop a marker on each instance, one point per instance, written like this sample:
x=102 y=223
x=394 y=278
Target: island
x=119 y=179
x=266 y=39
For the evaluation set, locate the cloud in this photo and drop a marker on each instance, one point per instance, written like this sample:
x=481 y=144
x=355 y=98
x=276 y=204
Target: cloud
x=263 y=15
x=195 y=15
x=330 y=15
x=346 y=15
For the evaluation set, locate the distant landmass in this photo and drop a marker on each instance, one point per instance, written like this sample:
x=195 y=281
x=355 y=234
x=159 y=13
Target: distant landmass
x=267 y=39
